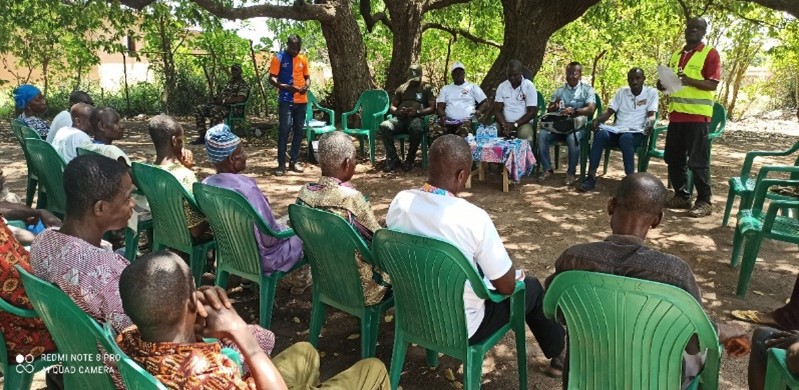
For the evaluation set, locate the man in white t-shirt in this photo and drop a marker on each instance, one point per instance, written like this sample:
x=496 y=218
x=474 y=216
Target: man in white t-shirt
x=635 y=108
x=69 y=138
x=516 y=103
x=457 y=104
x=64 y=118
x=435 y=211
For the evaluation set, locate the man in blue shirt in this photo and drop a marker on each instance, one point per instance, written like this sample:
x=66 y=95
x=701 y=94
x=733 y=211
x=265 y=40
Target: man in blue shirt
x=574 y=99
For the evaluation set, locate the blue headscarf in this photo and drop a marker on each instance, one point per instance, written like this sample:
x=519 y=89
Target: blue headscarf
x=220 y=142
x=24 y=94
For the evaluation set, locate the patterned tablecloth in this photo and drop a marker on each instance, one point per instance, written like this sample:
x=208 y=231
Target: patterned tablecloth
x=516 y=154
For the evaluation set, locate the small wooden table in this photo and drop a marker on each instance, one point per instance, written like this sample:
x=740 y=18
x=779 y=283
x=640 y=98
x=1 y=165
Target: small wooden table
x=515 y=155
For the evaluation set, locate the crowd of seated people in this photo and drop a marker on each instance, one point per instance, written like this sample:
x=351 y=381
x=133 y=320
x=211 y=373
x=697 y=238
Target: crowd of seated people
x=159 y=313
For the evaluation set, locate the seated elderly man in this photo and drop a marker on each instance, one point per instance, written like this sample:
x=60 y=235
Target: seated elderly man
x=158 y=294
x=635 y=107
x=171 y=156
x=409 y=104
x=636 y=208
x=226 y=152
x=98 y=191
x=106 y=125
x=335 y=194
x=64 y=118
x=516 y=103
x=457 y=104
x=576 y=100
x=69 y=138
x=435 y=211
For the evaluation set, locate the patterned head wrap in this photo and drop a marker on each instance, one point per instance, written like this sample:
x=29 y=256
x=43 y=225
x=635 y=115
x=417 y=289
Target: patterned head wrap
x=24 y=94
x=220 y=142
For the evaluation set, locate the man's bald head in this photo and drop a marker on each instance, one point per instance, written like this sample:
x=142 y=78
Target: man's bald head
x=640 y=193
x=154 y=290
x=449 y=154
x=81 y=114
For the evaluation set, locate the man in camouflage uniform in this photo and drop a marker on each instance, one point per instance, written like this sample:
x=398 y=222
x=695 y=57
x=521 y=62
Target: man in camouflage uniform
x=237 y=91
x=456 y=105
x=409 y=105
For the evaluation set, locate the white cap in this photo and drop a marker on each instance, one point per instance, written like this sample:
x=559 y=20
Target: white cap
x=457 y=65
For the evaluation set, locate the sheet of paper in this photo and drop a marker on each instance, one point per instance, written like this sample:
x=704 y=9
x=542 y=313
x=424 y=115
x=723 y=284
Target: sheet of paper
x=617 y=130
x=669 y=80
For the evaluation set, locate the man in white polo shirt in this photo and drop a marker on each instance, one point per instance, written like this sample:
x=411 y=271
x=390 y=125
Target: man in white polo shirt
x=435 y=211
x=635 y=107
x=457 y=104
x=516 y=103
x=69 y=138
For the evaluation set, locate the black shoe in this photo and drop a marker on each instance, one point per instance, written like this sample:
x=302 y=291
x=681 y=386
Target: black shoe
x=390 y=165
x=407 y=166
x=280 y=171
x=198 y=141
x=296 y=167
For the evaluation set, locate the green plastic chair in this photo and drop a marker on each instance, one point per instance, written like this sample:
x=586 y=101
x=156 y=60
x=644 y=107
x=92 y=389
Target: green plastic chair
x=16 y=129
x=49 y=166
x=131 y=237
x=329 y=243
x=754 y=225
x=74 y=332
x=312 y=132
x=717 y=124
x=640 y=150
x=237 y=114
x=585 y=141
x=428 y=277
x=744 y=186
x=777 y=375
x=233 y=220
x=17 y=376
x=627 y=333
x=170 y=230
x=373 y=105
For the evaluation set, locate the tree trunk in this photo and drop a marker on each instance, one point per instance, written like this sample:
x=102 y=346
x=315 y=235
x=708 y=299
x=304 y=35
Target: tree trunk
x=528 y=26
x=406 y=23
x=347 y=54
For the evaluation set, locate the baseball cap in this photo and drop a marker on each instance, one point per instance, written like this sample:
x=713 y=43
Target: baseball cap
x=415 y=72
x=457 y=65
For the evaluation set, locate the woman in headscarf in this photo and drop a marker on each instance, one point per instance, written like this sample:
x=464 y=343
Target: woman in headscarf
x=31 y=103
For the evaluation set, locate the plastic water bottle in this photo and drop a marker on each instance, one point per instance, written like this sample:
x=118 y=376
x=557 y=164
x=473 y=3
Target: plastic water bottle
x=492 y=132
x=482 y=133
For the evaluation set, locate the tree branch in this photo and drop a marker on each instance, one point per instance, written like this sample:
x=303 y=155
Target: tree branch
x=299 y=11
x=456 y=31
x=685 y=9
x=431 y=5
x=371 y=20
x=789 y=6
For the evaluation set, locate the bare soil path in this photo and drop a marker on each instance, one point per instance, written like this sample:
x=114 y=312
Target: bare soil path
x=536 y=222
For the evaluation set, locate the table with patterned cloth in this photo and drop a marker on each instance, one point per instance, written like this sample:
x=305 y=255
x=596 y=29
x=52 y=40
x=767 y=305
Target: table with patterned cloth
x=515 y=155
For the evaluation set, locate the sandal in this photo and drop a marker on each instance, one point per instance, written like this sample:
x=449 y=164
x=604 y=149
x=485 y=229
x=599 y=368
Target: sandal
x=555 y=369
x=752 y=316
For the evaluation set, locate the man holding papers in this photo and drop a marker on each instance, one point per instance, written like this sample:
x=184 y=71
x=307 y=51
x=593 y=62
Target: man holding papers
x=635 y=107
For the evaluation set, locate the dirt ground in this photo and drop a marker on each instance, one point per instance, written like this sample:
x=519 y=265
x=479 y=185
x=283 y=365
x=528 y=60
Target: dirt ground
x=536 y=222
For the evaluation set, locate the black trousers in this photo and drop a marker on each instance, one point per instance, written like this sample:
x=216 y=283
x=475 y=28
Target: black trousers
x=549 y=333
x=687 y=145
